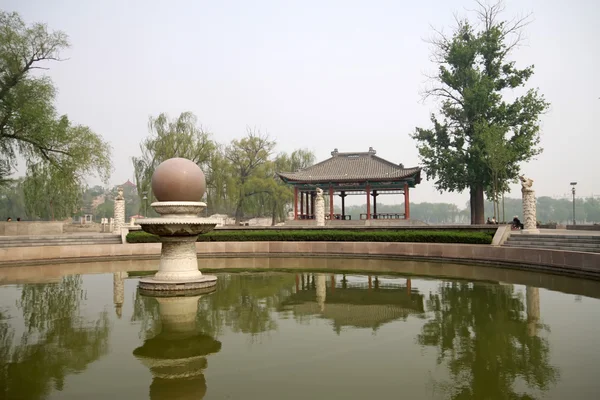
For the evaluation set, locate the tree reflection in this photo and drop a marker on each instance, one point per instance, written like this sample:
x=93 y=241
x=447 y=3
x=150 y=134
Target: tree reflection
x=487 y=342
x=242 y=302
x=57 y=341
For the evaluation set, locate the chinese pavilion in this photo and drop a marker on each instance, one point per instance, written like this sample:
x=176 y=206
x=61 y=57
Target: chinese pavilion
x=351 y=174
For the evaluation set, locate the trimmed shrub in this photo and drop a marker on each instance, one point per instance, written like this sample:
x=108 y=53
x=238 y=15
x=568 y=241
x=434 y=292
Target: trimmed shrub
x=272 y=235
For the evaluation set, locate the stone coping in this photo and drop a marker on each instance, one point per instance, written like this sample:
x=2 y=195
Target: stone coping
x=563 y=262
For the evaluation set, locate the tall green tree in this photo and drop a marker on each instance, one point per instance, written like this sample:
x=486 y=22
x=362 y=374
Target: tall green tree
x=179 y=137
x=248 y=158
x=282 y=195
x=30 y=127
x=474 y=74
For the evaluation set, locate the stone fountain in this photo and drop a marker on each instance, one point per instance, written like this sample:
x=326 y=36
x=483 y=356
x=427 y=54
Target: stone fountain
x=178 y=184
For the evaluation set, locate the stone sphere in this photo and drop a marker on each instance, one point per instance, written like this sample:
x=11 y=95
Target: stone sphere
x=178 y=179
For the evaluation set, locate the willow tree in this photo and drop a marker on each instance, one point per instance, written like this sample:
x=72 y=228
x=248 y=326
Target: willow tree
x=31 y=129
x=248 y=158
x=179 y=137
x=474 y=74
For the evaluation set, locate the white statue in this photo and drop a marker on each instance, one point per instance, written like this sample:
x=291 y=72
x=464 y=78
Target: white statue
x=526 y=183
x=529 y=206
x=320 y=208
x=120 y=194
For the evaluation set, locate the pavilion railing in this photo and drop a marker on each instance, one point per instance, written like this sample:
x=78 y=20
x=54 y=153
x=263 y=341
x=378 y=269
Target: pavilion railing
x=384 y=216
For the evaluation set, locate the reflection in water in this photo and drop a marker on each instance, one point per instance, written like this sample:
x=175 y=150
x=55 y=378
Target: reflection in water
x=119 y=292
x=177 y=355
x=57 y=341
x=474 y=340
x=357 y=304
x=489 y=345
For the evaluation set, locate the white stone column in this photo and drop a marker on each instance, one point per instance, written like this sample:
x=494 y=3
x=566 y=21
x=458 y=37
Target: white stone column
x=119 y=212
x=320 y=208
x=529 y=206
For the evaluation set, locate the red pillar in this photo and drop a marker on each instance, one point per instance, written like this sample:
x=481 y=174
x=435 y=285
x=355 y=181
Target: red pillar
x=295 y=203
x=330 y=202
x=406 y=202
x=368 y=202
x=408 y=286
x=301 y=204
x=370 y=284
x=332 y=283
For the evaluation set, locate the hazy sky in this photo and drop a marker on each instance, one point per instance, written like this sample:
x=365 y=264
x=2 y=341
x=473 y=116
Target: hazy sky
x=315 y=74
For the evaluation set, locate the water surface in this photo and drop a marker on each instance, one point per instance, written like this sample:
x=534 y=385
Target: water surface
x=450 y=332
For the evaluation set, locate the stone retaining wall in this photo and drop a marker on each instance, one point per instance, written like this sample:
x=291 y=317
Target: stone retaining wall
x=573 y=263
x=30 y=228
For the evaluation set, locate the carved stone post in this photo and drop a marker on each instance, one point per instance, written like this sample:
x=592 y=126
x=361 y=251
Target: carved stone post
x=119 y=212
x=529 y=206
x=320 y=208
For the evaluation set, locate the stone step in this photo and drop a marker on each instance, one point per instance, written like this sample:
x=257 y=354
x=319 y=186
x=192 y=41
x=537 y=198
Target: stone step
x=579 y=249
x=43 y=244
x=553 y=243
x=520 y=236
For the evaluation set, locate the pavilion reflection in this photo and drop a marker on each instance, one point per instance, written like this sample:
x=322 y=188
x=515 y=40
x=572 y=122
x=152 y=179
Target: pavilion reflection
x=176 y=356
x=363 y=302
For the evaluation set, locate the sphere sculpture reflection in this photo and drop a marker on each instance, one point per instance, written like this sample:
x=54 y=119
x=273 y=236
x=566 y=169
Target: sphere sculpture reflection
x=176 y=357
x=179 y=185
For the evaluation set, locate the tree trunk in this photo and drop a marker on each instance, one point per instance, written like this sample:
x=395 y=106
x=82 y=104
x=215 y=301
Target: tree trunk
x=477 y=205
x=274 y=218
x=471 y=205
x=503 y=216
x=238 y=212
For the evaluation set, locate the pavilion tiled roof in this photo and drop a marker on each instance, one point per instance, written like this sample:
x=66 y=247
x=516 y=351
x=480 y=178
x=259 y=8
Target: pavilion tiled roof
x=345 y=167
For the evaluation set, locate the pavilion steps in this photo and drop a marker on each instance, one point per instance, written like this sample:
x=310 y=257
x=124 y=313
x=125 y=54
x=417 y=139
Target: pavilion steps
x=588 y=243
x=59 y=240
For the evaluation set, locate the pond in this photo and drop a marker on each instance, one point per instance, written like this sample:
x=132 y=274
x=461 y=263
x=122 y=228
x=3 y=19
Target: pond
x=416 y=331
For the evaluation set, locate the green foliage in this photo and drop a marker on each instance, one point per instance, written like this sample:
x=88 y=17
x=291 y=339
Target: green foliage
x=52 y=147
x=12 y=200
x=180 y=137
x=474 y=72
x=249 y=166
x=284 y=235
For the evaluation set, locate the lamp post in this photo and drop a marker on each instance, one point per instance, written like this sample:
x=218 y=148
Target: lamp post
x=145 y=198
x=573 y=191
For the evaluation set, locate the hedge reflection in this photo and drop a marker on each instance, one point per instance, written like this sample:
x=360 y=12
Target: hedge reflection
x=485 y=339
x=57 y=340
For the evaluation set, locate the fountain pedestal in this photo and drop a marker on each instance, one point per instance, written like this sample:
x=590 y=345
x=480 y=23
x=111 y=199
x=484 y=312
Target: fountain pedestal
x=178 y=228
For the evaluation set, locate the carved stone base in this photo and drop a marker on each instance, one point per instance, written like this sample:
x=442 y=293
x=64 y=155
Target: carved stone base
x=530 y=231
x=157 y=285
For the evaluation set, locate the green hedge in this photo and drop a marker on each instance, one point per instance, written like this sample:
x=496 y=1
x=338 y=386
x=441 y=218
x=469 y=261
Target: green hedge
x=331 y=236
